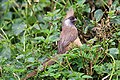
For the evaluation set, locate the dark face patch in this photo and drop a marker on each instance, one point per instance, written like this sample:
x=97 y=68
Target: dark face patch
x=72 y=19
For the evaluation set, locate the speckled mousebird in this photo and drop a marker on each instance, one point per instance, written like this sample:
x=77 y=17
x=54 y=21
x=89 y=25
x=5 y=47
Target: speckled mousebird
x=69 y=34
x=68 y=37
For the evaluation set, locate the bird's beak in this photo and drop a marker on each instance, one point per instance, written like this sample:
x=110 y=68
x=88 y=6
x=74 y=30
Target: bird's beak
x=75 y=20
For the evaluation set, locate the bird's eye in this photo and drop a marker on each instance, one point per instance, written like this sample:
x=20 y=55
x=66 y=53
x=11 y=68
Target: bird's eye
x=72 y=18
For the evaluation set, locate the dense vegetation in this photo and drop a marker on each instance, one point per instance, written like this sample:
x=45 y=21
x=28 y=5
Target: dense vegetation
x=29 y=31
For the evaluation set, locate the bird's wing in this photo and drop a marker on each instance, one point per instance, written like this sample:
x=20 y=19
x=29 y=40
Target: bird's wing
x=68 y=35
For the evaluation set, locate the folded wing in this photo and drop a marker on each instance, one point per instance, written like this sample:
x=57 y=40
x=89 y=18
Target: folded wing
x=67 y=36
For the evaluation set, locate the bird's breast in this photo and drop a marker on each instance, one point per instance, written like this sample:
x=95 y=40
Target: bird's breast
x=76 y=43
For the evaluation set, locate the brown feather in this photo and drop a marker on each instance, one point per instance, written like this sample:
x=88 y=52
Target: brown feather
x=68 y=35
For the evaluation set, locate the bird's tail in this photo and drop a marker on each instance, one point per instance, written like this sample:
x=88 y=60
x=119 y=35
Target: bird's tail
x=61 y=49
x=45 y=64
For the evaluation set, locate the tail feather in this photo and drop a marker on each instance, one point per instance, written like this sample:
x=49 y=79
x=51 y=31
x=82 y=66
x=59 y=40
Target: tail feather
x=45 y=64
x=61 y=49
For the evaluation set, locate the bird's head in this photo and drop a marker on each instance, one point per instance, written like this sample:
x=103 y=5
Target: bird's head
x=70 y=18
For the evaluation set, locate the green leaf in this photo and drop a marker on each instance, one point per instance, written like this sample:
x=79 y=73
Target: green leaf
x=31 y=20
x=103 y=68
x=8 y=16
x=86 y=76
x=31 y=59
x=117 y=64
x=87 y=9
x=20 y=56
x=18 y=28
x=47 y=31
x=118 y=33
x=117 y=73
x=98 y=15
x=116 y=20
x=91 y=41
x=36 y=26
x=75 y=76
x=81 y=1
x=114 y=51
x=96 y=46
x=6 y=52
x=19 y=70
x=111 y=14
x=54 y=37
x=39 y=38
x=118 y=8
x=50 y=14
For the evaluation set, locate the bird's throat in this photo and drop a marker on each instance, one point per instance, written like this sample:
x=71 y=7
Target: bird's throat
x=68 y=23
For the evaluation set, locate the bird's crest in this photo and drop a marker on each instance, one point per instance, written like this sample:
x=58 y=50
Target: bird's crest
x=70 y=13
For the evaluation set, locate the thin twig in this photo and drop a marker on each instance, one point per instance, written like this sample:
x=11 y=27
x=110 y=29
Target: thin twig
x=105 y=77
x=69 y=64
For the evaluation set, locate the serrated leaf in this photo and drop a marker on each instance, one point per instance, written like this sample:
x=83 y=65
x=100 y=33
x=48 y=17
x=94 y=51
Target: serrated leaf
x=98 y=15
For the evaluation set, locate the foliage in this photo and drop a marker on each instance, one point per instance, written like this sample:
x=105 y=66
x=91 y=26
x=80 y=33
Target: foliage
x=29 y=31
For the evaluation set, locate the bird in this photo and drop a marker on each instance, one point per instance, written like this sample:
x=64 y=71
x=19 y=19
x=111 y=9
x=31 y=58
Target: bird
x=69 y=34
x=68 y=40
x=68 y=37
